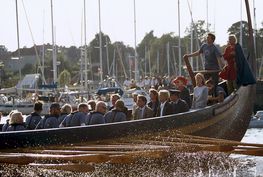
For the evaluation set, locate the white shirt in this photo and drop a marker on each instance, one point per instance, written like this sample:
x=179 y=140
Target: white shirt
x=162 y=106
x=141 y=111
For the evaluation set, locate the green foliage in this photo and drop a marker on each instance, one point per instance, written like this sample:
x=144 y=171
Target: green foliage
x=28 y=69
x=199 y=29
x=64 y=78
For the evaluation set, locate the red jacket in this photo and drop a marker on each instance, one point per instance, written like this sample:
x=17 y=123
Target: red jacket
x=229 y=72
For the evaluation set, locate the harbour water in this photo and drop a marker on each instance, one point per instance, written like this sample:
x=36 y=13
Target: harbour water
x=179 y=164
x=253 y=135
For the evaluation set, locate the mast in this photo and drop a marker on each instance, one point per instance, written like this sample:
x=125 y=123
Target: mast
x=158 y=61
x=107 y=56
x=43 y=47
x=85 y=49
x=18 y=41
x=255 y=27
x=168 y=58
x=179 y=41
x=195 y=32
x=136 y=72
x=207 y=15
x=53 y=46
x=241 y=26
x=251 y=46
x=149 y=58
x=81 y=53
x=145 y=59
x=100 y=41
x=192 y=37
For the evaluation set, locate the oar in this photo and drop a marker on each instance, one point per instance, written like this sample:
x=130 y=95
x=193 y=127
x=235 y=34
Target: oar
x=73 y=152
x=66 y=167
x=190 y=70
x=26 y=158
x=150 y=153
x=222 y=141
x=253 y=152
x=112 y=147
x=188 y=147
x=217 y=147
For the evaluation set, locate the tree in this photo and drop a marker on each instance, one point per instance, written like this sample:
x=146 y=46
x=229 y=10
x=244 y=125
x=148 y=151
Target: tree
x=28 y=69
x=199 y=29
x=64 y=78
x=235 y=29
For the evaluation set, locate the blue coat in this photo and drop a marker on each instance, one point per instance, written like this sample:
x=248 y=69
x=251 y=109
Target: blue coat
x=244 y=73
x=32 y=120
x=95 y=118
x=114 y=116
x=75 y=119
x=16 y=127
x=49 y=121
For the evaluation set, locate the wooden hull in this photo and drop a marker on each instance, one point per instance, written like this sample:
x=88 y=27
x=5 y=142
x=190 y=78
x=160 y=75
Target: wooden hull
x=228 y=120
x=259 y=96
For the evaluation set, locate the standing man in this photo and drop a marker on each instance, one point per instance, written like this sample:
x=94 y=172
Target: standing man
x=213 y=58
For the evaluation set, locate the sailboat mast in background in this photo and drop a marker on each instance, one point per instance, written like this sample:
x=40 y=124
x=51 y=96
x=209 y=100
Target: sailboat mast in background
x=53 y=46
x=18 y=41
x=179 y=40
x=100 y=38
x=85 y=49
x=136 y=72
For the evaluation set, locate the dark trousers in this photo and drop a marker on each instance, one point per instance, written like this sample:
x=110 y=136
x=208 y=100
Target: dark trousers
x=213 y=76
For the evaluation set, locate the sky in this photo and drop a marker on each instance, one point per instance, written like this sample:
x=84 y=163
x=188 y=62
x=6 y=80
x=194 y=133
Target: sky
x=117 y=19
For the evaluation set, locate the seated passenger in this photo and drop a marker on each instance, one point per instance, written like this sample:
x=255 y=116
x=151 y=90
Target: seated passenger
x=16 y=122
x=6 y=125
x=178 y=104
x=220 y=93
x=180 y=83
x=116 y=114
x=200 y=92
x=77 y=118
x=51 y=120
x=97 y=117
x=34 y=118
x=114 y=98
x=65 y=110
x=165 y=108
x=154 y=101
x=92 y=104
x=134 y=106
x=142 y=111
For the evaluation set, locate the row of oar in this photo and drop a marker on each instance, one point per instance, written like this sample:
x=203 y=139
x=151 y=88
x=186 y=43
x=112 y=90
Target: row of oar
x=83 y=157
x=189 y=143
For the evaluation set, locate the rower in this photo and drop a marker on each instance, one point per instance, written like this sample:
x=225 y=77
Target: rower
x=51 y=120
x=34 y=118
x=77 y=118
x=97 y=117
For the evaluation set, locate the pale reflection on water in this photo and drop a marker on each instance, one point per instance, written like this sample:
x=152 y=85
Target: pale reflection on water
x=178 y=164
